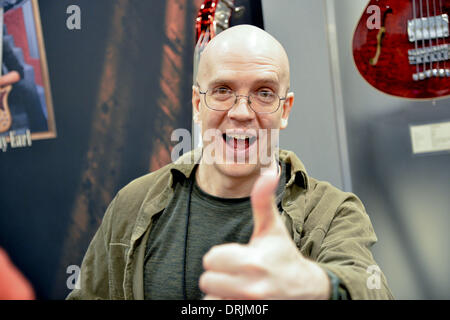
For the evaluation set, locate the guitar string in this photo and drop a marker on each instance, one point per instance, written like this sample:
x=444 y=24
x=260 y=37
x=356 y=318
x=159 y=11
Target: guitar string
x=423 y=36
x=443 y=36
x=415 y=35
x=437 y=36
x=429 y=54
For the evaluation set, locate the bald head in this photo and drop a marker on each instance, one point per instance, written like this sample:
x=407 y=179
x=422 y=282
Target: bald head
x=245 y=45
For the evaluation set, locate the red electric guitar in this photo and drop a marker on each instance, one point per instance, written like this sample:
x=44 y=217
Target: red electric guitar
x=402 y=47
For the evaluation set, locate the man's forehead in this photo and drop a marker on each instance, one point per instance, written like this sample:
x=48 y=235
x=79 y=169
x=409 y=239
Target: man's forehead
x=242 y=73
x=244 y=48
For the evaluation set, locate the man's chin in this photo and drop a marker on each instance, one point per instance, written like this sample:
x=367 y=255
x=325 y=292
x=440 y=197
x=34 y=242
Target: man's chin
x=238 y=170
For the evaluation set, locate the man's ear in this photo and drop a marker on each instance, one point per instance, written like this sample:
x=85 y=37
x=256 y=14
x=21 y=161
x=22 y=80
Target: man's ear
x=286 y=109
x=195 y=104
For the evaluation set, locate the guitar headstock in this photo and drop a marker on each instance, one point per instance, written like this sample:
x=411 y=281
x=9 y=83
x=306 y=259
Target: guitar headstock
x=213 y=17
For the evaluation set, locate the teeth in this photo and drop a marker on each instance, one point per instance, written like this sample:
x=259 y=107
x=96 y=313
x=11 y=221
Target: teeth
x=239 y=136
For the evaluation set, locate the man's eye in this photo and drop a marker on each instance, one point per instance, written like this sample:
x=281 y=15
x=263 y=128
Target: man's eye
x=265 y=94
x=221 y=91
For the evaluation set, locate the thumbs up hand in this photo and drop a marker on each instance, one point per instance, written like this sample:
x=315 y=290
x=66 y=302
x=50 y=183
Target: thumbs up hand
x=270 y=266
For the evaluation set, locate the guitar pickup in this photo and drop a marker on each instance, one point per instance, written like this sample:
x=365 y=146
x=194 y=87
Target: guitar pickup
x=428 y=28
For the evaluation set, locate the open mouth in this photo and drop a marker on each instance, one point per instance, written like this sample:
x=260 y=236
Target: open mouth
x=239 y=141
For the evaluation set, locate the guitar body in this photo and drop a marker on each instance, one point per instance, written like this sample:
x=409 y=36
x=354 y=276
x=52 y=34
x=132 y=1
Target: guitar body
x=5 y=114
x=382 y=54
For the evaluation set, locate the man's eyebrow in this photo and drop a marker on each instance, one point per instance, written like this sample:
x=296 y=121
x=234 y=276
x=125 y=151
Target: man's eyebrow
x=219 y=81
x=268 y=82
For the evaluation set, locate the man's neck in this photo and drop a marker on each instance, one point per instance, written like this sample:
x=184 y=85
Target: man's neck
x=215 y=183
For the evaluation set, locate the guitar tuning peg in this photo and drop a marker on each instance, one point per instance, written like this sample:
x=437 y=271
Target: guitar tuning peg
x=238 y=11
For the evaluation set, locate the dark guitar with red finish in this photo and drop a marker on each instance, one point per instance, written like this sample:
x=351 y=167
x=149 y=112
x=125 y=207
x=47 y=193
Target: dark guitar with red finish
x=390 y=70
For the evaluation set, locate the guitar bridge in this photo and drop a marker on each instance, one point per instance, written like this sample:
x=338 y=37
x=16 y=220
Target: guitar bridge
x=428 y=28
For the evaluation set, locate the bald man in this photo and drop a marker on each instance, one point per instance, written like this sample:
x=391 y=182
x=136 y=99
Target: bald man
x=238 y=218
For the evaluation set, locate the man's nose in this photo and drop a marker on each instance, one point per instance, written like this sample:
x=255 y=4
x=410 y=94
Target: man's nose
x=241 y=111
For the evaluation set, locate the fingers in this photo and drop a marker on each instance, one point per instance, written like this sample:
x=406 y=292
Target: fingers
x=225 y=258
x=228 y=286
x=216 y=284
x=231 y=271
x=9 y=78
x=210 y=297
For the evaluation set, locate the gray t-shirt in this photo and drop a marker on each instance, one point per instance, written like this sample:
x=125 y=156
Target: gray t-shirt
x=212 y=221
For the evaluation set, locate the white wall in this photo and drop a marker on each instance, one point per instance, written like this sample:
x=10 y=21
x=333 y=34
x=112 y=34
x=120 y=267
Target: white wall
x=313 y=131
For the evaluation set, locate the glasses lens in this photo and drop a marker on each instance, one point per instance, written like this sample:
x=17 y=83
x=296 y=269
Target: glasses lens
x=220 y=98
x=264 y=101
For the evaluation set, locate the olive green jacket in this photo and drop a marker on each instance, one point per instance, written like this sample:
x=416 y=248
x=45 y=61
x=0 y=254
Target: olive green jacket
x=328 y=226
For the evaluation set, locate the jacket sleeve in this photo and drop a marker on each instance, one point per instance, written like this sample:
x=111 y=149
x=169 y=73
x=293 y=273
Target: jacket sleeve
x=93 y=281
x=345 y=251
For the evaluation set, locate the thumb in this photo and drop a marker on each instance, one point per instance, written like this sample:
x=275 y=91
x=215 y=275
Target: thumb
x=263 y=203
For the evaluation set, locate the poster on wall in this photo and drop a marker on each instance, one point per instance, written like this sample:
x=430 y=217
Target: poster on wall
x=26 y=109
